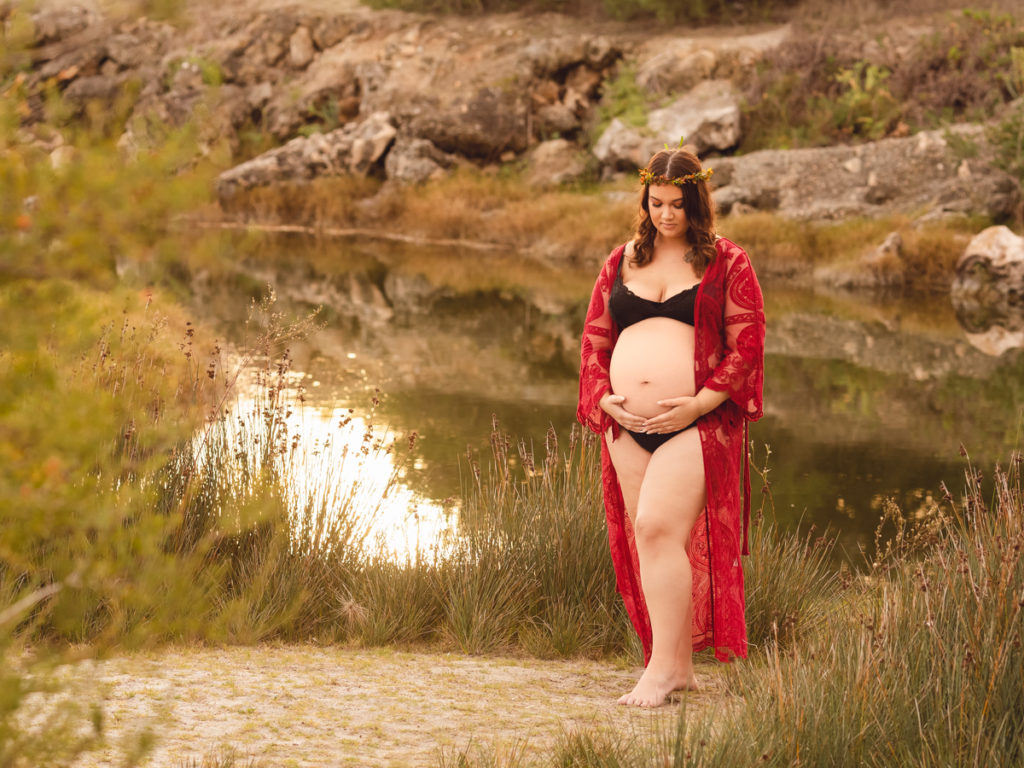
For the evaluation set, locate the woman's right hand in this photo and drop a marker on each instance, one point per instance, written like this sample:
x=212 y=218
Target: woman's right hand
x=612 y=405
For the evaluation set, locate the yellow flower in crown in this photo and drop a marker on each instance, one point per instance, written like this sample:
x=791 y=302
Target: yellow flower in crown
x=647 y=178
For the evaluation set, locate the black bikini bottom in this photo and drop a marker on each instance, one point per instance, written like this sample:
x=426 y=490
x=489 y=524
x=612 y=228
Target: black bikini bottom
x=651 y=442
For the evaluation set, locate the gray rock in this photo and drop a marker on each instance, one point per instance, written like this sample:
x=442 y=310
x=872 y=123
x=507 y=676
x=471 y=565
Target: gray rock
x=300 y=48
x=671 y=63
x=624 y=147
x=812 y=184
x=600 y=52
x=259 y=94
x=370 y=140
x=556 y=118
x=128 y=50
x=94 y=88
x=489 y=122
x=58 y=23
x=674 y=71
x=988 y=291
x=330 y=31
x=555 y=162
x=333 y=76
x=353 y=149
x=708 y=116
x=545 y=56
x=992 y=267
x=413 y=161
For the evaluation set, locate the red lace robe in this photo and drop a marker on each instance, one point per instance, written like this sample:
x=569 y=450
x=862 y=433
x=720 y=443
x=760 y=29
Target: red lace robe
x=729 y=356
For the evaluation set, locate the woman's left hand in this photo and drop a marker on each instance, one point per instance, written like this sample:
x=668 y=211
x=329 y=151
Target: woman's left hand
x=681 y=413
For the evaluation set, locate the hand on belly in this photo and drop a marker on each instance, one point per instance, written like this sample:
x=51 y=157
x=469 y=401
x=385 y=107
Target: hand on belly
x=652 y=361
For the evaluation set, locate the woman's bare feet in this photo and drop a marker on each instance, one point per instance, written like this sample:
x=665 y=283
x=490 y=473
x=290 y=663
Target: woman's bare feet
x=653 y=688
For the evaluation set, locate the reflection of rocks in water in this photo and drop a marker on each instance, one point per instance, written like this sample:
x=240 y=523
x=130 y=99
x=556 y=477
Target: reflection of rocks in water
x=988 y=291
x=874 y=345
x=993 y=329
x=396 y=329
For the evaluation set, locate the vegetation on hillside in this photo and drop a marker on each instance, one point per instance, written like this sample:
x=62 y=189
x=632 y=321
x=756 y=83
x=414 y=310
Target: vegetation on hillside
x=821 y=88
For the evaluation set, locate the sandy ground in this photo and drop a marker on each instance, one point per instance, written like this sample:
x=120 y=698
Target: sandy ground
x=317 y=706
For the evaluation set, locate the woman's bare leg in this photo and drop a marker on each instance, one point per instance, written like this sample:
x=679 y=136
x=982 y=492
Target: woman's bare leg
x=671 y=498
x=630 y=462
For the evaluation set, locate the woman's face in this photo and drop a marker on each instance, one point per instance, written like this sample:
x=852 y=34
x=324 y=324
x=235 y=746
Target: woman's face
x=665 y=207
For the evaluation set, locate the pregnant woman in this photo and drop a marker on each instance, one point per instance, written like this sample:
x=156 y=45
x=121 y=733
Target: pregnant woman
x=671 y=371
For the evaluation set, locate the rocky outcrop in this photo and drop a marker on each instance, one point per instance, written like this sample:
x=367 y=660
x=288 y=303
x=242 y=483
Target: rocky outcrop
x=483 y=90
x=354 y=149
x=708 y=116
x=667 y=65
x=922 y=172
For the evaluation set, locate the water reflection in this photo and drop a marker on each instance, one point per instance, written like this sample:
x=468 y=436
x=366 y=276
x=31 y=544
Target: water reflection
x=341 y=473
x=867 y=398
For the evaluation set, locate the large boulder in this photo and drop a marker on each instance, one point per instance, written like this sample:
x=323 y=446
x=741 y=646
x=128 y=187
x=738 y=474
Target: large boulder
x=624 y=147
x=482 y=125
x=674 y=71
x=61 y=21
x=991 y=268
x=988 y=290
x=353 y=149
x=708 y=116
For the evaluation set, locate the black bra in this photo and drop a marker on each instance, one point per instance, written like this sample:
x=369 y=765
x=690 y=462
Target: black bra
x=627 y=308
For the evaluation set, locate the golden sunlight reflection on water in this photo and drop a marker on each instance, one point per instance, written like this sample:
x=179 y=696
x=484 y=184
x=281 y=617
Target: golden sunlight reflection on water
x=343 y=479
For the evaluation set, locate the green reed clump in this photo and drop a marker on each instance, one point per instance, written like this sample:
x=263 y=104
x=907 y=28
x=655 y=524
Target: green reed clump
x=534 y=532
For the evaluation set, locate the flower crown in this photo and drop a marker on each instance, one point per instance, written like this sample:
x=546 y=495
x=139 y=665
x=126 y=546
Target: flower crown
x=647 y=177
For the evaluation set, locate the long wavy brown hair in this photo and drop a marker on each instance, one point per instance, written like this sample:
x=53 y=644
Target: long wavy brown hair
x=697 y=205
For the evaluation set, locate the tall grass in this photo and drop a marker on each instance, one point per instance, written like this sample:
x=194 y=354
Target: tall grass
x=922 y=667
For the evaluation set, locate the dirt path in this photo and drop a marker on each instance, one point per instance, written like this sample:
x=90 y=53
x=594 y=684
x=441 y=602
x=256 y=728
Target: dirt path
x=315 y=706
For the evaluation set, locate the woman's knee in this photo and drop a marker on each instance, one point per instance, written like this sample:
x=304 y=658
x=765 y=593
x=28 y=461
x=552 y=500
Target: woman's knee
x=654 y=527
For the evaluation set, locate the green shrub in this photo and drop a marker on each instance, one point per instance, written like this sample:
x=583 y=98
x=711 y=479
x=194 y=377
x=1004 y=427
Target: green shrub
x=621 y=98
x=818 y=90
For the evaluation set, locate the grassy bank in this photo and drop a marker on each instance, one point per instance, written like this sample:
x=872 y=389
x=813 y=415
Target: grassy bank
x=575 y=227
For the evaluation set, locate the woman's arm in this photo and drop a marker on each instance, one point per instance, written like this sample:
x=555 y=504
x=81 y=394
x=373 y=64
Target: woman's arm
x=739 y=375
x=596 y=351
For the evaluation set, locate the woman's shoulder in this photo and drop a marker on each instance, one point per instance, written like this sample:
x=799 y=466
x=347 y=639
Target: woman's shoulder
x=623 y=249
x=729 y=250
x=725 y=245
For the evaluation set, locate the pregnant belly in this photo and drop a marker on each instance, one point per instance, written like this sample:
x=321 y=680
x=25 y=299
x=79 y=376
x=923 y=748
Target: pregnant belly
x=652 y=360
